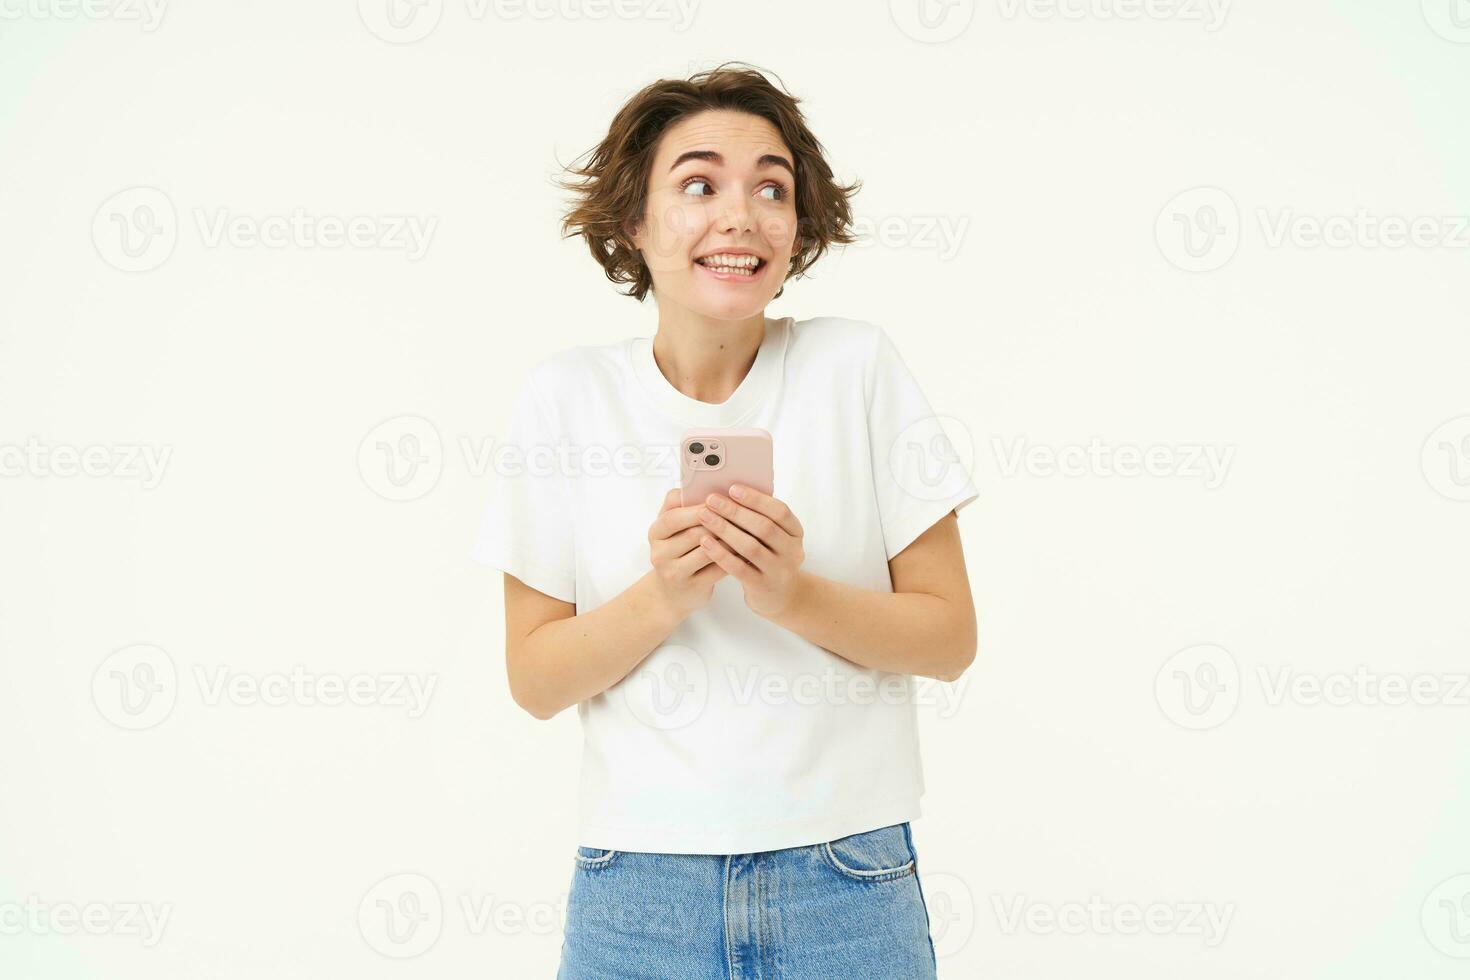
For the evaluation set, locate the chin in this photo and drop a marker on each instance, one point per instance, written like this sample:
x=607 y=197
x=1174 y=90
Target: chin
x=728 y=307
x=743 y=309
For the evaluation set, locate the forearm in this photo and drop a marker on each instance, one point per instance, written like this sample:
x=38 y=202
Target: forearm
x=567 y=661
x=898 y=632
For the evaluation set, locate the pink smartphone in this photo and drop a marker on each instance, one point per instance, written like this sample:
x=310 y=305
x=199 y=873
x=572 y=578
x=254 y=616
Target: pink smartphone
x=712 y=459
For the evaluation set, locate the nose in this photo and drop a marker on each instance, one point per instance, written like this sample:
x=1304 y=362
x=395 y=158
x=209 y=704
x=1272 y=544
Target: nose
x=736 y=214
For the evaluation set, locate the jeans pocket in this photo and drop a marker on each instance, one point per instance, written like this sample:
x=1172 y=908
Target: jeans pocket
x=595 y=858
x=875 y=855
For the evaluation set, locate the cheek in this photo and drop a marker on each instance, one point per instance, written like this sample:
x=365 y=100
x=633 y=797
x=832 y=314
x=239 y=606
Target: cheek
x=672 y=229
x=780 y=231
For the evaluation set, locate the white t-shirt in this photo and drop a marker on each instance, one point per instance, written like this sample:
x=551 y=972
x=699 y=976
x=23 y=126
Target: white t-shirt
x=734 y=735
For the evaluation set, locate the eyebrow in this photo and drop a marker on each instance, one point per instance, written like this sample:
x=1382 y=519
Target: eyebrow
x=766 y=160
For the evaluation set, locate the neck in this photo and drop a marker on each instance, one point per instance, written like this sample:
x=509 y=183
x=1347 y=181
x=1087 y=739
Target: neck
x=706 y=358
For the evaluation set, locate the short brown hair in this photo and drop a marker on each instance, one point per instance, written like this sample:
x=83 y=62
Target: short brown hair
x=612 y=189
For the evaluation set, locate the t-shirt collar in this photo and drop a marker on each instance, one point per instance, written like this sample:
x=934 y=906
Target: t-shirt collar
x=754 y=389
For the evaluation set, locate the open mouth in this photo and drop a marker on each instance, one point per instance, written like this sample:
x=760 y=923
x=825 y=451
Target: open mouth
x=732 y=267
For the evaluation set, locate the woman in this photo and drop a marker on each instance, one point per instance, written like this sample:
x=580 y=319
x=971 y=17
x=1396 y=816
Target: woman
x=741 y=665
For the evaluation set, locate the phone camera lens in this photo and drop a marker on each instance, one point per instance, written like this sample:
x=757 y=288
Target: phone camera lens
x=696 y=448
x=712 y=459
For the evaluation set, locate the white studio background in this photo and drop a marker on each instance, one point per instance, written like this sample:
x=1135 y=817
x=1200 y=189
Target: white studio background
x=1218 y=724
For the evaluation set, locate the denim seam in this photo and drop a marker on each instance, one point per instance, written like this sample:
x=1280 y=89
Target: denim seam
x=923 y=902
x=725 y=908
x=592 y=864
x=761 y=922
x=883 y=874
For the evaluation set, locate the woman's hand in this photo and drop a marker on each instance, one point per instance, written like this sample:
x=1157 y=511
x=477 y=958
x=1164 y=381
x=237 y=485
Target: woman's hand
x=684 y=573
x=757 y=540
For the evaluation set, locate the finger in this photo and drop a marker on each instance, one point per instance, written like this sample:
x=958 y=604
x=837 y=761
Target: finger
x=677 y=545
x=671 y=522
x=731 y=562
x=710 y=573
x=696 y=560
x=772 y=536
x=671 y=500
x=764 y=503
x=740 y=542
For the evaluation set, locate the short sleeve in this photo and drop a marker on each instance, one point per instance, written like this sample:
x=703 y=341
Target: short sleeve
x=919 y=474
x=526 y=529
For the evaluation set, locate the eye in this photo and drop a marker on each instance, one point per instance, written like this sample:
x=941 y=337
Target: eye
x=780 y=190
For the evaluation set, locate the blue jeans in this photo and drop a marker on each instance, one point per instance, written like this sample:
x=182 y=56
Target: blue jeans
x=849 y=908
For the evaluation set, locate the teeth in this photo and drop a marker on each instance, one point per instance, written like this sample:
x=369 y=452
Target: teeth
x=729 y=263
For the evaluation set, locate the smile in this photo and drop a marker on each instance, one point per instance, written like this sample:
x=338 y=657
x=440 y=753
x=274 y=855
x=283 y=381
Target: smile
x=732 y=267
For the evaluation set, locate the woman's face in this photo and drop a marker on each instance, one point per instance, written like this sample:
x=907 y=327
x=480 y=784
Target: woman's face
x=721 y=185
